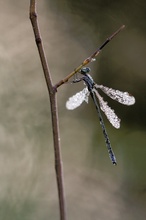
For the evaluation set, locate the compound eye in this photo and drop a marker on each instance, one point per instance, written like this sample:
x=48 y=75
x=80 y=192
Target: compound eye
x=85 y=70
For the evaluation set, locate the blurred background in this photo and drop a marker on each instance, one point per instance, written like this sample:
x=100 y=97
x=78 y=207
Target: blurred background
x=71 y=31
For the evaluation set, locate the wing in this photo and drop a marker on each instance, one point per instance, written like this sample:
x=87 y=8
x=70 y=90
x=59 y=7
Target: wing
x=110 y=114
x=122 y=97
x=77 y=99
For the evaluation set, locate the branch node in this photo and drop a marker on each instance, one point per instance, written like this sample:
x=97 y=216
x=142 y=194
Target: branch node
x=33 y=14
x=38 y=40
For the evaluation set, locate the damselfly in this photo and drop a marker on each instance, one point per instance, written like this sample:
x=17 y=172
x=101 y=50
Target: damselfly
x=92 y=90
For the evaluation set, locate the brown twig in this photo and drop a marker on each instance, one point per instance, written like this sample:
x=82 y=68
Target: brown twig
x=54 y=109
x=90 y=58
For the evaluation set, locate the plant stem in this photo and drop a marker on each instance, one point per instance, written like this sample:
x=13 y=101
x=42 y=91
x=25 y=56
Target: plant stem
x=54 y=110
x=90 y=58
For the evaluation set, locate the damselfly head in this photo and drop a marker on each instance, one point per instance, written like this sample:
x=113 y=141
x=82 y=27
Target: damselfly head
x=85 y=70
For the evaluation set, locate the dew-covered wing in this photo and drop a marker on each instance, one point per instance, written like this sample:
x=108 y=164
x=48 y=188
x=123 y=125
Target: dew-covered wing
x=122 y=97
x=77 y=99
x=110 y=114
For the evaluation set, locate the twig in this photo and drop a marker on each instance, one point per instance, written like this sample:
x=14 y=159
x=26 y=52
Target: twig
x=90 y=58
x=54 y=109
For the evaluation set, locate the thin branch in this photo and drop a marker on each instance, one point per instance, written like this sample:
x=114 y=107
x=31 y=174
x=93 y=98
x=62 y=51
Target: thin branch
x=54 y=110
x=90 y=58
